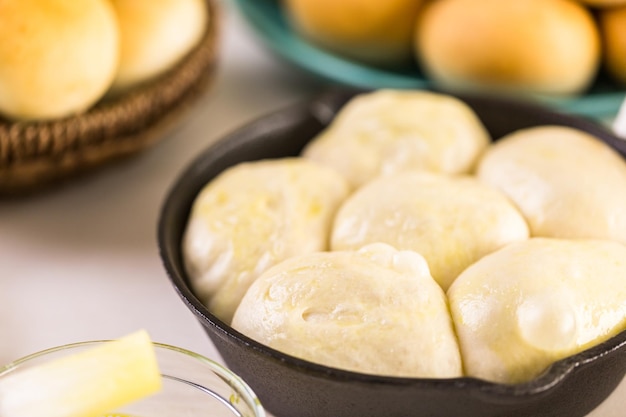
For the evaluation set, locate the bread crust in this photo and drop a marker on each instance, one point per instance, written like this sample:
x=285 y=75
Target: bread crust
x=603 y=3
x=155 y=35
x=613 y=29
x=530 y=46
x=373 y=31
x=57 y=57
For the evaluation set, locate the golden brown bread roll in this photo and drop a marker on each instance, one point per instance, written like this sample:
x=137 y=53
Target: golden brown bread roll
x=155 y=35
x=57 y=57
x=530 y=46
x=603 y=3
x=613 y=29
x=374 y=31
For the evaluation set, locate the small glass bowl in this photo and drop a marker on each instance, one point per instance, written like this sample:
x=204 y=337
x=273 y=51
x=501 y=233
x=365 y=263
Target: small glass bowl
x=193 y=386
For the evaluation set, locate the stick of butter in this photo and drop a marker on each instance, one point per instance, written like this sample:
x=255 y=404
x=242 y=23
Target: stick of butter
x=86 y=384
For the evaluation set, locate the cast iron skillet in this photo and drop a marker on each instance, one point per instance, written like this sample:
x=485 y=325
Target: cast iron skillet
x=290 y=387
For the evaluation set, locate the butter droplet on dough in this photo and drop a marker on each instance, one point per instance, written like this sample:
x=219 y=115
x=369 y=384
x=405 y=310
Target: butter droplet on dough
x=547 y=322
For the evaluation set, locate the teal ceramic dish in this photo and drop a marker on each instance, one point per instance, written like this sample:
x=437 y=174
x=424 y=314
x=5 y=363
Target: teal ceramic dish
x=602 y=101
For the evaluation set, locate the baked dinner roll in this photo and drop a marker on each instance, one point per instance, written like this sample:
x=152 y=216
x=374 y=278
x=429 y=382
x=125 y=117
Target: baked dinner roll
x=603 y=3
x=375 y=311
x=451 y=221
x=252 y=216
x=613 y=29
x=567 y=183
x=373 y=31
x=530 y=46
x=57 y=57
x=155 y=35
x=534 y=302
x=389 y=131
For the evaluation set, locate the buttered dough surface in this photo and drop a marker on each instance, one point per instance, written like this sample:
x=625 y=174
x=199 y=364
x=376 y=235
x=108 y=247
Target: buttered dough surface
x=387 y=131
x=251 y=217
x=566 y=183
x=451 y=220
x=534 y=302
x=376 y=311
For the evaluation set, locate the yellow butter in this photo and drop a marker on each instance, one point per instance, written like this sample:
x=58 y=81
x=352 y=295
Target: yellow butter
x=86 y=384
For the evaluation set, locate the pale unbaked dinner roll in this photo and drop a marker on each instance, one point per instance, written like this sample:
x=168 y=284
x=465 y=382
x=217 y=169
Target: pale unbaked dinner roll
x=566 y=182
x=613 y=28
x=377 y=32
x=451 y=221
x=253 y=216
x=531 y=303
x=390 y=131
x=529 y=46
x=57 y=57
x=155 y=35
x=376 y=311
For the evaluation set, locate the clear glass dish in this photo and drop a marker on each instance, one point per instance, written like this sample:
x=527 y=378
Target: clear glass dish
x=193 y=386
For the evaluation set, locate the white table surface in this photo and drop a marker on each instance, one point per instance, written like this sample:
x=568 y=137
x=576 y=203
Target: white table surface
x=81 y=262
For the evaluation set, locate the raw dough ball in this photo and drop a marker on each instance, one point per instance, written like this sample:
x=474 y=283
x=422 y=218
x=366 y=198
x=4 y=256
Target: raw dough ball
x=253 y=216
x=534 y=302
x=523 y=46
x=57 y=57
x=451 y=221
x=388 y=131
x=155 y=35
x=374 y=31
x=376 y=311
x=566 y=182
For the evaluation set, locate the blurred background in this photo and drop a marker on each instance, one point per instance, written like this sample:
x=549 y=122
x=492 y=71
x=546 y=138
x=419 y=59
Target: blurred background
x=79 y=261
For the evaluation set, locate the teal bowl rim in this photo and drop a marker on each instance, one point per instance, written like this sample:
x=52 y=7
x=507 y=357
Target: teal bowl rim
x=265 y=18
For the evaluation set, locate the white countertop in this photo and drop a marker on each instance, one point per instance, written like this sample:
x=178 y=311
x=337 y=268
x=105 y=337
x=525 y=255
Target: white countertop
x=81 y=262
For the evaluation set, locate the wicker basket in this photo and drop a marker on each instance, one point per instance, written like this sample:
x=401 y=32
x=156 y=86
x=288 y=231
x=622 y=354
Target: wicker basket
x=37 y=154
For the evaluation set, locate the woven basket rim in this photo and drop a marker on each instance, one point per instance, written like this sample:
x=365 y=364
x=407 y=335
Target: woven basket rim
x=47 y=149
